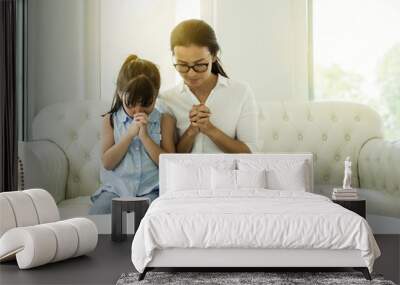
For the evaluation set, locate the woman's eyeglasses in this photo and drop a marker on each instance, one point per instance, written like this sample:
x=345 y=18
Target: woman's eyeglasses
x=184 y=68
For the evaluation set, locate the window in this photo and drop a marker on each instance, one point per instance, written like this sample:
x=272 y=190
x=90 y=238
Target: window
x=356 y=55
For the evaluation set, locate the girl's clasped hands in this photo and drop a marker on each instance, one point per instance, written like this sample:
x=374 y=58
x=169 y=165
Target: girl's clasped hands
x=139 y=126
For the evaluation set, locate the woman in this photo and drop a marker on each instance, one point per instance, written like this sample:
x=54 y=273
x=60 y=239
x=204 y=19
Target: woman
x=213 y=113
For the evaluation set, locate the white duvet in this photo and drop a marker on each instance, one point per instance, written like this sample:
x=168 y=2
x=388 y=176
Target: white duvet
x=252 y=218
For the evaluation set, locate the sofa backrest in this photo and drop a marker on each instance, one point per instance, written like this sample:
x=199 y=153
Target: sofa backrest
x=330 y=130
x=76 y=128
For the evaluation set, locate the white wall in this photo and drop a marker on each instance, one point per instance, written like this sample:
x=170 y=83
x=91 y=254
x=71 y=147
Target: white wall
x=140 y=27
x=91 y=46
x=264 y=42
x=55 y=51
x=57 y=69
x=76 y=47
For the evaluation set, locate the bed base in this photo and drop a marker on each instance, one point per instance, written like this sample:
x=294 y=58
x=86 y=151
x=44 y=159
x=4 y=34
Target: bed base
x=241 y=259
x=363 y=270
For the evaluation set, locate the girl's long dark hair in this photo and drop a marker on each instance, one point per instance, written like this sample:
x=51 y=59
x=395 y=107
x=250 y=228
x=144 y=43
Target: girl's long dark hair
x=199 y=33
x=138 y=83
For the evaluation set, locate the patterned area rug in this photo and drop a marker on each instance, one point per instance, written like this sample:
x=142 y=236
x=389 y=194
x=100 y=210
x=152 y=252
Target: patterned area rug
x=242 y=278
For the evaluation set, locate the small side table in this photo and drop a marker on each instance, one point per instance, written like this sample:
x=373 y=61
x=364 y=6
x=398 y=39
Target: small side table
x=120 y=206
x=358 y=206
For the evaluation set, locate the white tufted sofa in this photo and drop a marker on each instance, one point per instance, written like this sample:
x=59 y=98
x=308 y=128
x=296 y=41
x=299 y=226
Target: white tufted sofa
x=64 y=154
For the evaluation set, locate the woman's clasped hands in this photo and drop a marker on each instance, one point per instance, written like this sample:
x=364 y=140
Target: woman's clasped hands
x=199 y=117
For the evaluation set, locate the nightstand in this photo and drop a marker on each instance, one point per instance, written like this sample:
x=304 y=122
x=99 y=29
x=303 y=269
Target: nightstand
x=120 y=206
x=358 y=206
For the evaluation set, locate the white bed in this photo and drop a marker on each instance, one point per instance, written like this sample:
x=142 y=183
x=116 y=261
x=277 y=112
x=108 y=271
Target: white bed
x=248 y=227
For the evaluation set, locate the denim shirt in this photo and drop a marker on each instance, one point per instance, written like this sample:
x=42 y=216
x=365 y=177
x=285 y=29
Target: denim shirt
x=136 y=174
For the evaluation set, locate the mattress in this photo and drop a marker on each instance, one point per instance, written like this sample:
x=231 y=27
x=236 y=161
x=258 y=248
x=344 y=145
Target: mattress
x=250 y=219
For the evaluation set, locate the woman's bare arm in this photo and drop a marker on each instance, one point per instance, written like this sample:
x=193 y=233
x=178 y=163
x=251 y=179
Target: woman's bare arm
x=168 y=127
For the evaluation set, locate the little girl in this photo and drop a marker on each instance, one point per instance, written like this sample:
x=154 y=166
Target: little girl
x=134 y=134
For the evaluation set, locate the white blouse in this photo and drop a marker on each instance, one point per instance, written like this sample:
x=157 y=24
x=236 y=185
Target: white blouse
x=233 y=111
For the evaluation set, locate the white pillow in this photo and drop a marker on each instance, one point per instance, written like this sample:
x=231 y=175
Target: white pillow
x=183 y=178
x=223 y=179
x=289 y=179
x=282 y=174
x=251 y=178
x=236 y=179
x=184 y=175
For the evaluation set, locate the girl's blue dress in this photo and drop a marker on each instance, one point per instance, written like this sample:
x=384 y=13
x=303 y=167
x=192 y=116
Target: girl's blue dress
x=136 y=174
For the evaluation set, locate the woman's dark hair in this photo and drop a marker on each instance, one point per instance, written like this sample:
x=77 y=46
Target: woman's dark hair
x=199 y=33
x=138 y=83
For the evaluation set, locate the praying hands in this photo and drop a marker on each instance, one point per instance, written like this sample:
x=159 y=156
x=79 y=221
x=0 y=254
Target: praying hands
x=199 y=117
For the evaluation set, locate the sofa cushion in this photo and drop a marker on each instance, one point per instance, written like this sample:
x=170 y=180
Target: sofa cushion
x=74 y=207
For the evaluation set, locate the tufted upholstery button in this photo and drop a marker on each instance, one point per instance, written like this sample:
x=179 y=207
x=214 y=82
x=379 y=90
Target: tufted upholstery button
x=357 y=118
x=285 y=117
x=74 y=136
x=337 y=157
x=324 y=137
x=300 y=137
x=275 y=136
x=347 y=137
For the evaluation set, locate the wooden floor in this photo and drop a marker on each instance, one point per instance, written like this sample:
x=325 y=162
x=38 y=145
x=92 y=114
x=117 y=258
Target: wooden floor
x=110 y=260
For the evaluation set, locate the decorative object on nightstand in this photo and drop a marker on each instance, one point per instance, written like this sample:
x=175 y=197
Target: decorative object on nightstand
x=347 y=174
x=347 y=192
x=358 y=206
x=120 y=206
